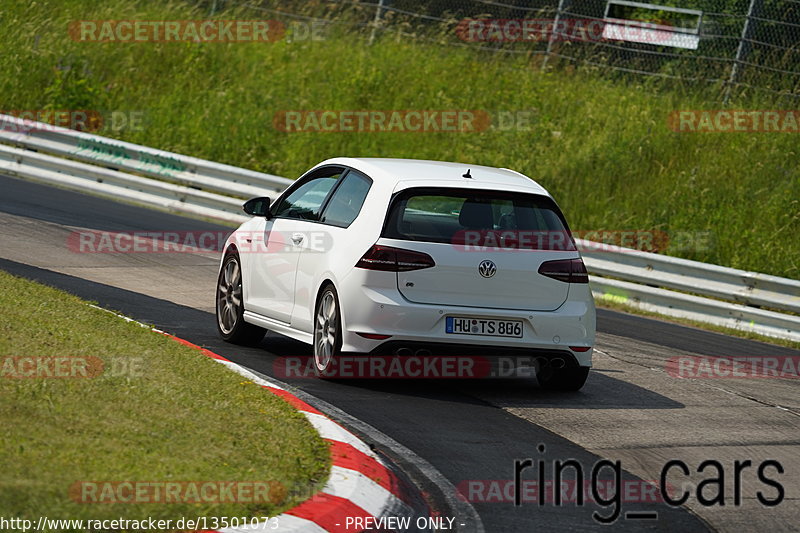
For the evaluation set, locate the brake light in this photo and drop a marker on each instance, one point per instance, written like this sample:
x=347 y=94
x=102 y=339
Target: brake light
x=566 y=270
x=389 y=259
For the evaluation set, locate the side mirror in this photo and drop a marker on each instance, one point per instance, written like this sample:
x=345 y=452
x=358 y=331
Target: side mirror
x=257 y=207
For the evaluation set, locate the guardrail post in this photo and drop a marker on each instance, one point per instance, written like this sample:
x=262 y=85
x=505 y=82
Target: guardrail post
x=551 y=38
x=744 y=45
x=377 y=20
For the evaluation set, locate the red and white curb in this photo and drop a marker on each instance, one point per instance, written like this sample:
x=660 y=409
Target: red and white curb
x=362 y=488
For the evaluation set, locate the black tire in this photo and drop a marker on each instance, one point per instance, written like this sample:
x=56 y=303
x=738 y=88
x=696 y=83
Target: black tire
x=230 y=305
x=564 y=379
x=327 y=332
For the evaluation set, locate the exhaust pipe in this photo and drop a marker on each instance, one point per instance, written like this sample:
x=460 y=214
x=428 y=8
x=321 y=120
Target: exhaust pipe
x=558 y=362
x=422 y=352
x=403 y=352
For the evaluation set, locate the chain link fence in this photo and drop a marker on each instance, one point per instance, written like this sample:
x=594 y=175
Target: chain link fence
x=736 y=46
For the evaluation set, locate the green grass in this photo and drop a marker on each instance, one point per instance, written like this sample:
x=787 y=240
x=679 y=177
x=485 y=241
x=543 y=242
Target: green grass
x=159 y=412
x=601 y=147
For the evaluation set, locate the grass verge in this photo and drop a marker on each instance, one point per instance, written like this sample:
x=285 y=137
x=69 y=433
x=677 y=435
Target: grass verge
x=149 y=410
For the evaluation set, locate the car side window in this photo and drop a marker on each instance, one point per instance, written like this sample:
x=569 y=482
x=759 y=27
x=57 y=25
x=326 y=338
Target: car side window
x=306 y=200
x=346 y=202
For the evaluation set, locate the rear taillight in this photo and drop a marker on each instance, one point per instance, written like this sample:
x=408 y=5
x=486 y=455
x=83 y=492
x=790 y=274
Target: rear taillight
x=566 y=270
x=391 y=259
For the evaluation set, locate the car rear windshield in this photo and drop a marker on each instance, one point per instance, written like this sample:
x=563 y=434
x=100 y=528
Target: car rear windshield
x=483 y=218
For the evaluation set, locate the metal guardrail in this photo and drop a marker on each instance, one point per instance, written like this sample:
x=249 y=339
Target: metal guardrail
x=61 y=172
x=694 y=290
x=159 y=164
x=681 y=305
x=651 y=282
x=741 y=286
x=673 y=287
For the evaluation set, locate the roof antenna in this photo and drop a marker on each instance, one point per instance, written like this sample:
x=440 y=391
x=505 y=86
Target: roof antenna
x=467 y=175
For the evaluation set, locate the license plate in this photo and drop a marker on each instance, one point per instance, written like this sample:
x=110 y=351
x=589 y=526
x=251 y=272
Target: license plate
x=491 y=327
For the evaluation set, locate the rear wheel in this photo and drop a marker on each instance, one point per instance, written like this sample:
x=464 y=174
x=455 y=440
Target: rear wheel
x=327 y=332
x=230 y=305
x=564 y=379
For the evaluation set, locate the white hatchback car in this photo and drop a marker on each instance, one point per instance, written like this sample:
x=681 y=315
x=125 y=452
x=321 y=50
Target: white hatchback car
x=393 y=256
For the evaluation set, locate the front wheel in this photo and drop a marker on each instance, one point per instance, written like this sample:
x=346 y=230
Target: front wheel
x=564 y=379
x=230 y=305
x=327 y=332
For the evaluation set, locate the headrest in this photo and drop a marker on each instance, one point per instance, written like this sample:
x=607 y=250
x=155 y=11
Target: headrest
x=476 y=214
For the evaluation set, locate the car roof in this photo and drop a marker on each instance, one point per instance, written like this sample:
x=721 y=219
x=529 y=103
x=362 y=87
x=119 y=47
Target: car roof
x=396 y=171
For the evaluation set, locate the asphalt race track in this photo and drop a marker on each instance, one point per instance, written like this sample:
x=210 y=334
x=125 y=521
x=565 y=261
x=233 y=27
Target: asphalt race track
x=631 y=409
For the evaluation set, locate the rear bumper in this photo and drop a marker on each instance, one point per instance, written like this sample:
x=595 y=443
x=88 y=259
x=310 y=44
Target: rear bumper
x=384 y=311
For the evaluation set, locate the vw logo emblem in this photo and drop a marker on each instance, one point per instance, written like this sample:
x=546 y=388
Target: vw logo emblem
x=487 y=268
